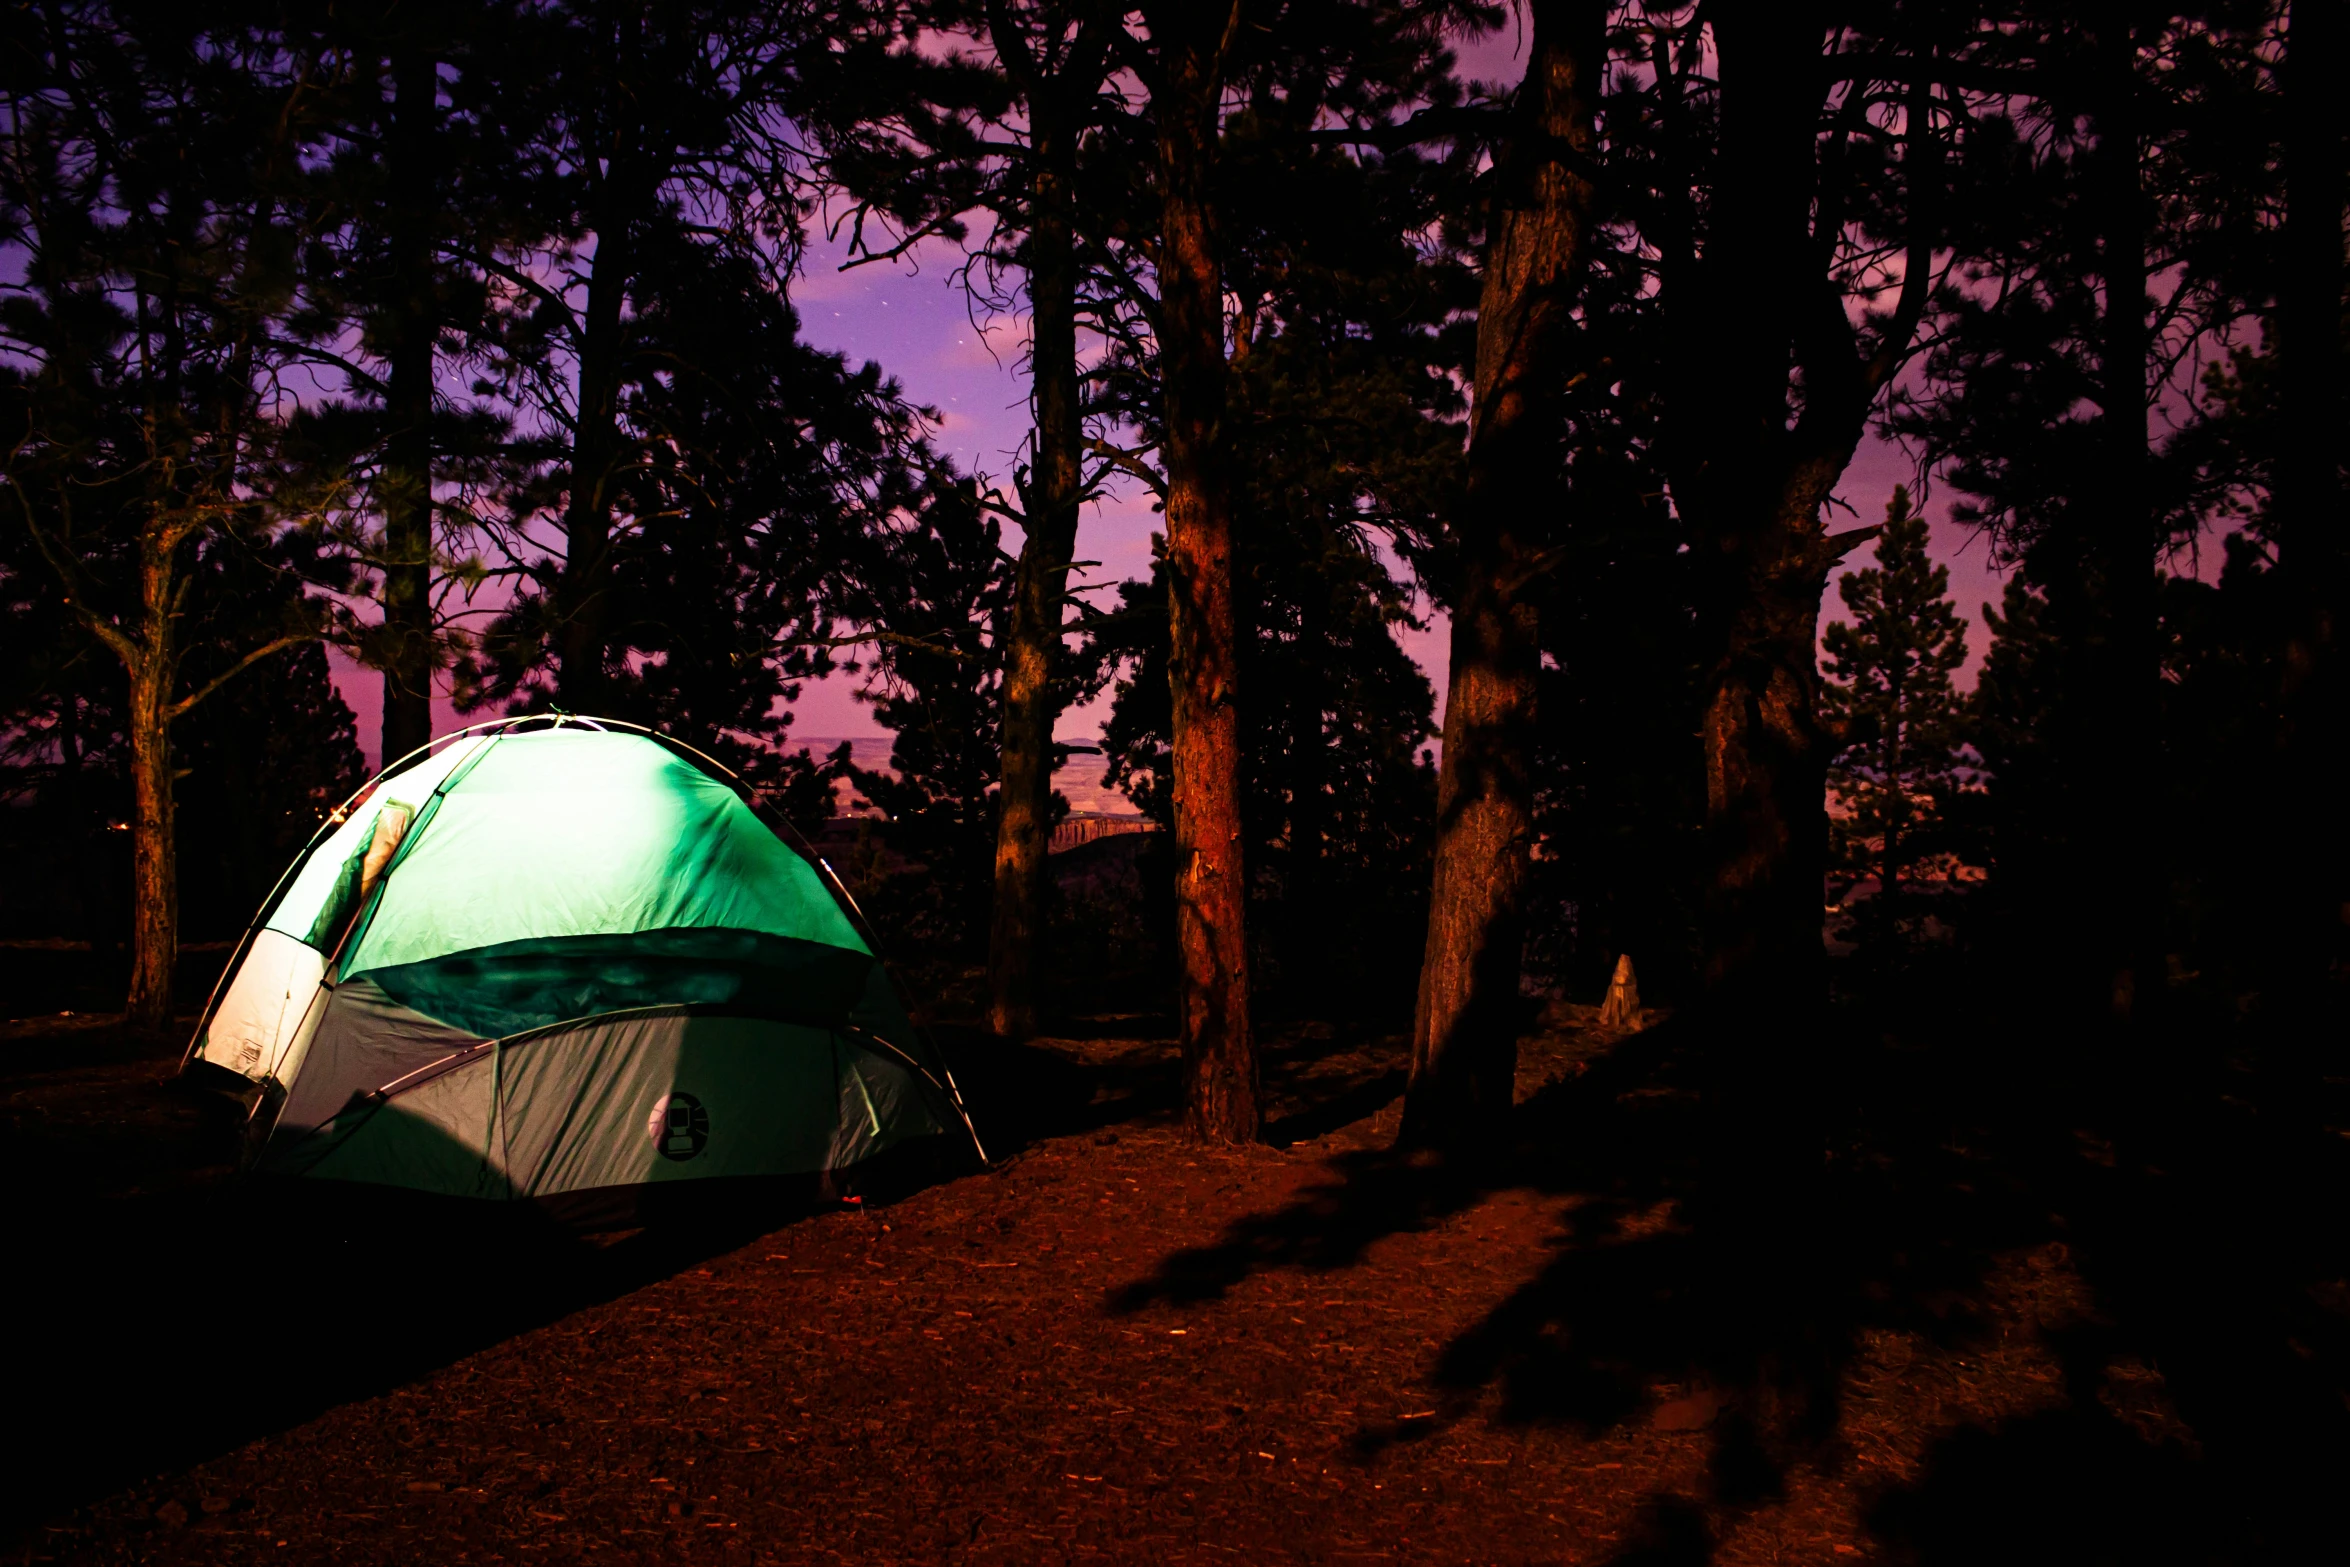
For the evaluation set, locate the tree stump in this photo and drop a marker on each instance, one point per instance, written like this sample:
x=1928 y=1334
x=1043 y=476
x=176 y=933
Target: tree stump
x=1622 y=1007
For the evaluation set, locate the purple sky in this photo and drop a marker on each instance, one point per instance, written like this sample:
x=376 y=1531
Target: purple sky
x=914 y=322
x=913 y=319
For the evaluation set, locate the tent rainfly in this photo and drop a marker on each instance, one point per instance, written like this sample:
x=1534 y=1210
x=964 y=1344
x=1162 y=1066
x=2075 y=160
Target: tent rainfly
x=562 y=962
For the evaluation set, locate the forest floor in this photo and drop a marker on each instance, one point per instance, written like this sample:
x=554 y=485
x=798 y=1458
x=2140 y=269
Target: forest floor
x=1935 y=1303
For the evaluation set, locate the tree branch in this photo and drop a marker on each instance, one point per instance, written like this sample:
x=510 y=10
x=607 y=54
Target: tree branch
x=69 y=577
x=236 y=669
x=533 y=286
x=1125 y=462
x=889 y=638
x=1918 y=272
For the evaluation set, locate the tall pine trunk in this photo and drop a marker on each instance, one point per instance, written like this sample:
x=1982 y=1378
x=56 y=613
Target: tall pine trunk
x=151 y=659
x=1212 y=1000
x=1040 y=582
x=1752 y=494
x=583 y=594
x=1465 y=1028
x=1766 y=769
x=2306 y=501
x=408 y=502
x=583 y=597
x=1752 y=489
x=2120 y=724
x=145 y=637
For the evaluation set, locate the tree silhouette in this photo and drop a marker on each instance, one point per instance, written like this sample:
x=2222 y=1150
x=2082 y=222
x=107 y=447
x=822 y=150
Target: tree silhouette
x=1764 y=404
x=918 y=142
x=1465 y=1031
x=2110 y=209
x=149 y=184
x=1891 y=696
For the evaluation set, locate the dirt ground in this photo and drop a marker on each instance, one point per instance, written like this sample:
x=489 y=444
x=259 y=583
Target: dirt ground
x=1939 y=1314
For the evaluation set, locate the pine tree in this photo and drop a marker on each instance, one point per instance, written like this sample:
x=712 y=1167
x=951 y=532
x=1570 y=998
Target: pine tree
x=1901 y=717
x=1537 y=243
x=144 y=193
x=941 y=596
x=918 y=141
x=2029 y=806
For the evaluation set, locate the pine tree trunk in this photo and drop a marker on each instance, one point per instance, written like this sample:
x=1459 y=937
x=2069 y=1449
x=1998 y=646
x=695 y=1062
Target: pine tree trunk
x=1040 y=580
x=1752 y=491
x=2306 y=500
x=2119 y=882
x=153 y=665
x=1212 y=1002
x=1465 y=1028
x=408 y=614
x=583 y=598
x=2307 y=486
x=583 y=594
x=1766 y=777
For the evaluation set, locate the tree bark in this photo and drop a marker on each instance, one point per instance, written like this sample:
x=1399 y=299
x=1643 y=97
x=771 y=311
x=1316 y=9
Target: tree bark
x=2307 y=484
x=2306 y=488
x=2122 y=657
x=1041 y=576
x=1766 y=762
x=583 y=597
x=1212 y=1001
x=146 y=640
x=583 y=600
x=1753 y=505
x=1751 y=489
x=1465 y=1028
x=152 y=662
x=408 y=500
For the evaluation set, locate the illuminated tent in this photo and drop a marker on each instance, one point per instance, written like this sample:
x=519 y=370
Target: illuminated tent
x=557 y=961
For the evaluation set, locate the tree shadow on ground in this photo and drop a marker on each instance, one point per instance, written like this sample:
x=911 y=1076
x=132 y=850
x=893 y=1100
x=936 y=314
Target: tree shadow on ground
x=1020 y=1094
x=1100 y=1072
x=1746 y=1216
x=1338 y=1105
x=180 y=1310
x=175 y=1324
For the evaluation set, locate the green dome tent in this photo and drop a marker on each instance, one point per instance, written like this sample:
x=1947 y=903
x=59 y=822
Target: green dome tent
x=559 y=961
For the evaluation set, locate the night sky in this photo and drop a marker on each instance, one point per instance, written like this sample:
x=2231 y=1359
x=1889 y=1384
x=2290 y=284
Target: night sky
x=916 y=322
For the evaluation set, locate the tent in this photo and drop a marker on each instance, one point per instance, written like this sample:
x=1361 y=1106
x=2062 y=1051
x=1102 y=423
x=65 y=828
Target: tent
x=564 y=961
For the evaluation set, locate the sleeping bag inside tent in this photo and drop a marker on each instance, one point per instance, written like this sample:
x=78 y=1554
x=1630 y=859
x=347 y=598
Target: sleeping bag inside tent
x=568 y=965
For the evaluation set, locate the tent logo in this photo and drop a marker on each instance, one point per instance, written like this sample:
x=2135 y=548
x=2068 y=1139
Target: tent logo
x=679 y=1127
